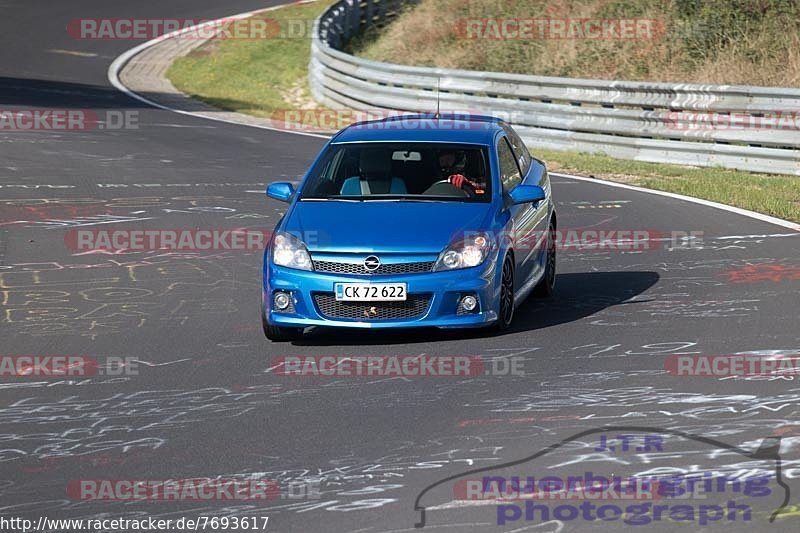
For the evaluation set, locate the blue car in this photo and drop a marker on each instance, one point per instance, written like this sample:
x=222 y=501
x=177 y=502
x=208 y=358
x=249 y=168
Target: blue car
x=412 y=221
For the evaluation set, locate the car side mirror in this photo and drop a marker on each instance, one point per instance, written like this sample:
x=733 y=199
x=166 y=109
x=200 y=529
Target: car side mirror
x=525 y=194
x=281 y=191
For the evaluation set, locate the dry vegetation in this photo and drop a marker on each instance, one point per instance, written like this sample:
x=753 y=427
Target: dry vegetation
x=752 y=42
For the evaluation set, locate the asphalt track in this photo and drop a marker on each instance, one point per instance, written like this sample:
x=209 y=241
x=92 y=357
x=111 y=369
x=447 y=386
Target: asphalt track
x=204 y=402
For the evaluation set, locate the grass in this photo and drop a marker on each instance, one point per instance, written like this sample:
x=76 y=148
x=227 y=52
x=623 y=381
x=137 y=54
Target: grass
x=260 y=77
x=778 y=196
x=265 y=77
x=750 y=42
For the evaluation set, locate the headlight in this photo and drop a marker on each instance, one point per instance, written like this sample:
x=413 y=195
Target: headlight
x=289 y=251
x=465 y=253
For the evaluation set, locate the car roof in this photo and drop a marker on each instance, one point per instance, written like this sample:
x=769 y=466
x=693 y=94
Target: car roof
x=444 y=127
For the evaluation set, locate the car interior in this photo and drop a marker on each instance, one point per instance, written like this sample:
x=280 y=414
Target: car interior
x=356 y=170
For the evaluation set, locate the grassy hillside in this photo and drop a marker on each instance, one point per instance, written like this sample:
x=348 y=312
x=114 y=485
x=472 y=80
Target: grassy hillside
x=753 y=42
x=260 y=77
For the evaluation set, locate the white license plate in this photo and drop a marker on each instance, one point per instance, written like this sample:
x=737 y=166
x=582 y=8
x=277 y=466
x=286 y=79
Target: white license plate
x=370 y=292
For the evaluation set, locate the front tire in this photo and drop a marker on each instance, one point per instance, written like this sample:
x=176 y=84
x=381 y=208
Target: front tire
x=277 y=333
x=505 y=313
x=547 y=285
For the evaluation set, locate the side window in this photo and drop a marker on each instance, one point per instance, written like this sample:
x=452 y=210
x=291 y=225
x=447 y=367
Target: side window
x=520 y=150
x=509 y=171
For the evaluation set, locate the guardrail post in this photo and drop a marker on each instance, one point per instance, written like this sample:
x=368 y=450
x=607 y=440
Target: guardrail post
x=368 y=19
x=381 y=11
x=353 y=18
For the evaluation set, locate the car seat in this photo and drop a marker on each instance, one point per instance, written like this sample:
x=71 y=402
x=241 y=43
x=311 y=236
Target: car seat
x=375 y=166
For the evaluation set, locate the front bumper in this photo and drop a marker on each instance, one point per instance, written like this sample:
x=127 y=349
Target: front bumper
x=436 y=296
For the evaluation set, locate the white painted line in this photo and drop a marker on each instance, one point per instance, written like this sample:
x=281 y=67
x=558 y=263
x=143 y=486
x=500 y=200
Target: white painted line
x=116 y=67
x=770 y=236
x=708 y=203
x=72 y=52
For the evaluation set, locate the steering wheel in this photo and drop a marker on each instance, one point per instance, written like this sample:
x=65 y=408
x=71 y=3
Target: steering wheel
x=466 y=190
x=451 y=187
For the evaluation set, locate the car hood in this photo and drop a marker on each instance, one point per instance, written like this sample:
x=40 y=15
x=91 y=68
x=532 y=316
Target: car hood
x=377 y=226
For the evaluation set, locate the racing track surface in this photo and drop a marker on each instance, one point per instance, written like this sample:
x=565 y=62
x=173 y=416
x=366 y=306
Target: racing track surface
x=204 y=403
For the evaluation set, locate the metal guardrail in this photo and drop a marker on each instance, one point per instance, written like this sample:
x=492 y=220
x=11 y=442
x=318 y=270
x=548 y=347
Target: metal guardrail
x=657 y=122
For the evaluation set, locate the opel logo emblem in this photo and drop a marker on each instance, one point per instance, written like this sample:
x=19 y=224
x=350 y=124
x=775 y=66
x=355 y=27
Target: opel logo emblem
x=372 y=263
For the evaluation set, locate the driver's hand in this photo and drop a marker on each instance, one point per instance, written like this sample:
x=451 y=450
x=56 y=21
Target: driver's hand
x=459 y=180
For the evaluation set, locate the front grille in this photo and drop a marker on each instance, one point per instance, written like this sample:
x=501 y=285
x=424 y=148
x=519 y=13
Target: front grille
x=358 y=268
x=414 y=307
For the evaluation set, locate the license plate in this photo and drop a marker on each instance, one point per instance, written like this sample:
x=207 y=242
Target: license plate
x=370 y=292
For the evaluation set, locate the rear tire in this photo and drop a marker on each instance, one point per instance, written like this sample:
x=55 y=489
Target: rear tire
x=277 y=333
x=547 y=285
x=506 y=311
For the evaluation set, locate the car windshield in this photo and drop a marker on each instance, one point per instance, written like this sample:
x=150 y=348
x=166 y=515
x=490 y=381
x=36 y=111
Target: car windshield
x=401 y=171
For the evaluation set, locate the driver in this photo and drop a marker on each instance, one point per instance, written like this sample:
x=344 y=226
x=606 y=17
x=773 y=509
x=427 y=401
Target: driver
x=451 y=165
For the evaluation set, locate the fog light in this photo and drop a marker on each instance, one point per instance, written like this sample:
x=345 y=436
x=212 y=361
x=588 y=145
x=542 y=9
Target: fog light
x=469 y=303
x=282 y=301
